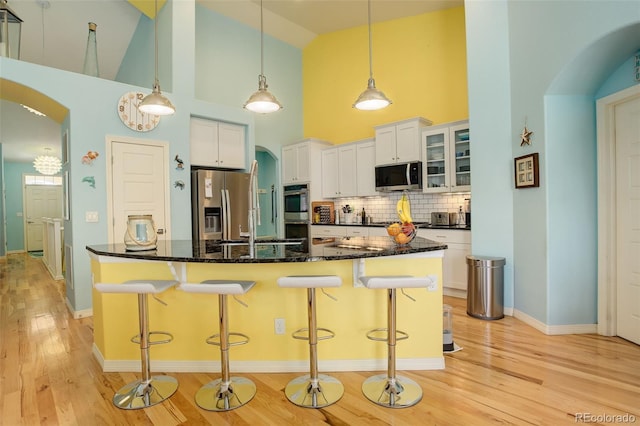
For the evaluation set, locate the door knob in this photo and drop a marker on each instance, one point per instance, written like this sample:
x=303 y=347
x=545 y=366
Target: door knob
x=160 y=231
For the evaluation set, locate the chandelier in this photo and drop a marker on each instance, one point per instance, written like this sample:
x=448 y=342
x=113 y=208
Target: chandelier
x=47 y=164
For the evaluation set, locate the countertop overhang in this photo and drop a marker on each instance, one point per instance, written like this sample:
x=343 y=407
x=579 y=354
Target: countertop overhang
x=266 y=251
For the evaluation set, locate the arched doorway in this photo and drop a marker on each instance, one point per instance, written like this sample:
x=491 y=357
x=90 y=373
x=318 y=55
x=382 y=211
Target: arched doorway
x=268 y=193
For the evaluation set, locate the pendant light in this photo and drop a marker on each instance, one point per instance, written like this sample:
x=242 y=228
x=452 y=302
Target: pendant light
x=372 y=98
x=262 y=101
x=47 y=164
x=155 y=103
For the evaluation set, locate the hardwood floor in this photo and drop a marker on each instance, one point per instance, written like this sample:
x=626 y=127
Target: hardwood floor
x=507 y=373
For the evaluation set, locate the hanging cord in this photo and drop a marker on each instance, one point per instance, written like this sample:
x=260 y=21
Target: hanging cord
x=44 y=4
x=370 y=59
x=261 y=42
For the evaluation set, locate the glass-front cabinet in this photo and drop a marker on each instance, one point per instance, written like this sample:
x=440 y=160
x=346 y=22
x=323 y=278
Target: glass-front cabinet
x=447 y=158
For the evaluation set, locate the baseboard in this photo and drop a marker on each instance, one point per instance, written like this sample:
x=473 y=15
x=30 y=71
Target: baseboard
x=556 y=329
x=408 y=364
x=78 y=314
x=454 y=292
x=15 y=251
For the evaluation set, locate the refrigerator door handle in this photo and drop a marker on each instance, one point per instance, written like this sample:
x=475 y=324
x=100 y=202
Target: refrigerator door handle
x=273 y=204
x=226 y=218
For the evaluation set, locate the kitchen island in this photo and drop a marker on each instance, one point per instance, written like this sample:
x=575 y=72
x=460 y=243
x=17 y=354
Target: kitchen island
x=191 y=318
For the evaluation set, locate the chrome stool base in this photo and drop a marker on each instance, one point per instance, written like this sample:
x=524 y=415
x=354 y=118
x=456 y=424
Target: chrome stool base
x=217 y=396
x=400 y=392
x=322 y=392
x=142 y=394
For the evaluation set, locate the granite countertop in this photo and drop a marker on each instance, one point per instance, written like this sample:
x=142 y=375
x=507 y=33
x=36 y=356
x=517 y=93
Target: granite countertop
x=266 y=251
x=422 y=225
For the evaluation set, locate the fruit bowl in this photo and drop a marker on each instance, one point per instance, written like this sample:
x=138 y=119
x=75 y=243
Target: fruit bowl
x=402 y=233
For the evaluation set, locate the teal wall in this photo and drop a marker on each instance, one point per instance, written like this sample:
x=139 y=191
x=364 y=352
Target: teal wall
x=549 y=81
x=13 y=172
x=267 y=176
x=620 y=79
x=90 y=120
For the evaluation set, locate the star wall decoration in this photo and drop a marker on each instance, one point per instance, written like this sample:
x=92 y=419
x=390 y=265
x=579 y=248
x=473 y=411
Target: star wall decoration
x=525 y=136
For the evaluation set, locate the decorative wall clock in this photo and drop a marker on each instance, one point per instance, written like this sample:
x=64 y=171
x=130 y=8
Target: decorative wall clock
x=132 y=117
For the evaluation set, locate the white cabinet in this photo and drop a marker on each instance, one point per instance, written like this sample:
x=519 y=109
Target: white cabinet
x=339 y=171
x=366 y=175
x=348 y=170
x=454 y=263
x=447 y=158
x=378 y=231
x=324 y=231
x=327 y=231
x=357 y=231
x=216 y=144
x=399 y=142
x=300 y=161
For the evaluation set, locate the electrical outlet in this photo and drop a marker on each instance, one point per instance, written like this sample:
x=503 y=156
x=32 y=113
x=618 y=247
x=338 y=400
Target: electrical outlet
x=278 y=325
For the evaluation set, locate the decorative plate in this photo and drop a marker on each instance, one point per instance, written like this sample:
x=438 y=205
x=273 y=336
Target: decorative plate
x=132 y=117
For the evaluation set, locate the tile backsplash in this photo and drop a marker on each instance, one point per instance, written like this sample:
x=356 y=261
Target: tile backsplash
x=383 y=208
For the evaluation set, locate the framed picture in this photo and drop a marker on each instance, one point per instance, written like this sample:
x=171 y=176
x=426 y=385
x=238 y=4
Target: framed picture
x=526 y=171
x=65 y=195
x=65 y=147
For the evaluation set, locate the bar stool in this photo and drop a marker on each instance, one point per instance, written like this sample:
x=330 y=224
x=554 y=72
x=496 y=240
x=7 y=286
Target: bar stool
x=226 y=393
x=391 y=390
x=313 y=390
x=150 y=390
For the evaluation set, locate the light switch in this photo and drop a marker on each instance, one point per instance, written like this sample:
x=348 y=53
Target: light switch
x=91 y=216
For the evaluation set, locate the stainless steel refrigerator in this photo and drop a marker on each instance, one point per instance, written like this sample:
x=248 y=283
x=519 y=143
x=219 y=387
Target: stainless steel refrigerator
x=219 y=204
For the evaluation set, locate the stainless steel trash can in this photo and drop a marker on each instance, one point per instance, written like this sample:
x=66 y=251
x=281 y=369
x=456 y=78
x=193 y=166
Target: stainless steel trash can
x=485 y=287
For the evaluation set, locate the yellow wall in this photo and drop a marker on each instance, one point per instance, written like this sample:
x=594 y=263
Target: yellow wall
x=419 y=62
x=191 y=318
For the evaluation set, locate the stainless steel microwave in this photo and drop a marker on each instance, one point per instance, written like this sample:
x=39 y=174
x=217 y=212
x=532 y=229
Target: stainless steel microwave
x=399 y=177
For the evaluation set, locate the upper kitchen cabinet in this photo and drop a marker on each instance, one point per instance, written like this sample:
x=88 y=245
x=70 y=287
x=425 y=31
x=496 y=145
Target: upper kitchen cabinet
x=447 y=158
x=366 y=175
x=339 y=171
x=217 y=144
x=298 y=165
x=399 y=142
x=348 y=170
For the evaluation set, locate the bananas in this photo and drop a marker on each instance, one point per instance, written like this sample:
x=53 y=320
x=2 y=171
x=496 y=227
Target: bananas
x=403 y=207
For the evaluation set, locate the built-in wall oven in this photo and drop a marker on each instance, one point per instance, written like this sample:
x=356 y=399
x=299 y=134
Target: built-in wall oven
x=297 y=206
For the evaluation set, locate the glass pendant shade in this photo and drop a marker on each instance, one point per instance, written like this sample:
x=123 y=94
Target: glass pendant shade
x=156 y=103
x=91 y=54
x=262 y=101
x=371 y=99
x=10 y=28
x=47 y=164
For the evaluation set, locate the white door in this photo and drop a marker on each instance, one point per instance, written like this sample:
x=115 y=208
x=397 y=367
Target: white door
x=627 y=128
x=40 y=201
x=138 y=186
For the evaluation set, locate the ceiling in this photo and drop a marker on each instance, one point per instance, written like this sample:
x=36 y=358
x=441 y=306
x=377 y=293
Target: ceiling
x=54 y=34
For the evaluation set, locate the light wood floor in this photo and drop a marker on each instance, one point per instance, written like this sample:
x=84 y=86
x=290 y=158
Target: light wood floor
x=507 y=373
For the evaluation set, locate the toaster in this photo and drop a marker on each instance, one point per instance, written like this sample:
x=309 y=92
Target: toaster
x=443 y=218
